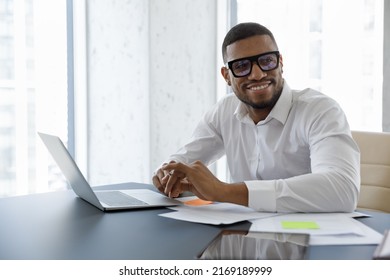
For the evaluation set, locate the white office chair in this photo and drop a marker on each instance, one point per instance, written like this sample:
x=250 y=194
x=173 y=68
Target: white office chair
x=375 y=170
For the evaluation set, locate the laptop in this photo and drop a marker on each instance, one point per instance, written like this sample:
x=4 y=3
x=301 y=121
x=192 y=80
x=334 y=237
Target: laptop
x=104 y=200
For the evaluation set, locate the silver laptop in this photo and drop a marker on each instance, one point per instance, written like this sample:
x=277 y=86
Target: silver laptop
x=104 y=200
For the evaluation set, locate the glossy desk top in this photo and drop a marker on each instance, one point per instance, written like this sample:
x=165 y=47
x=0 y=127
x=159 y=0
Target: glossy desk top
x=60 y=225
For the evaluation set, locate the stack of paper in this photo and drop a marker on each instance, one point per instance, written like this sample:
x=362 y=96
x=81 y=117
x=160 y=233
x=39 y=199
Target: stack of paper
x=324 y=228
x=197 y=211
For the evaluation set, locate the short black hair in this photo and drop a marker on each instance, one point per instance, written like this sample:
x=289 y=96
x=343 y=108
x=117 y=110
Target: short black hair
x=243 y=31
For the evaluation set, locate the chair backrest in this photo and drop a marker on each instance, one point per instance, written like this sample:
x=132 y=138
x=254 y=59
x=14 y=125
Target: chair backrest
x=375 y=169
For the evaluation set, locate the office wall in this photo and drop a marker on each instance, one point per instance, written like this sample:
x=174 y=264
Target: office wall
x=151 y=75
x=182 y=71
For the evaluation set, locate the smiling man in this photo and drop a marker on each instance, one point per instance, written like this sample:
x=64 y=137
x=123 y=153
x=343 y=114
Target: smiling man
x=287 y=150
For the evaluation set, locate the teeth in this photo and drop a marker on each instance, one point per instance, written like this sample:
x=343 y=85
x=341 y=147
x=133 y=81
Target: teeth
x=259 y=87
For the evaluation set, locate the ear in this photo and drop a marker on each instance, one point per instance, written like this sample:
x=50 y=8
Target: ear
x=281 y=63
x=226 y=75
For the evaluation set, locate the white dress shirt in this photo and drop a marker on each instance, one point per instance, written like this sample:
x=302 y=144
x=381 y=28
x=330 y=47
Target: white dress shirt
x=301 y=158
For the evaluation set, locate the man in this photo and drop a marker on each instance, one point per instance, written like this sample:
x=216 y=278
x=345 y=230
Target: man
x=287 y=150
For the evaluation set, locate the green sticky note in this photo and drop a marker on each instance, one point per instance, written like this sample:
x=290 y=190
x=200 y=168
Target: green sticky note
x=299 y=225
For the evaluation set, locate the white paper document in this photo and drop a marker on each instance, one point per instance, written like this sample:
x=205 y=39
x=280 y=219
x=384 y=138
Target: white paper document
x=324 y=229
x=215 y=213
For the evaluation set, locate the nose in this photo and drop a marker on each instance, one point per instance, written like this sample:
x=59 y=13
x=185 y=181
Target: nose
x=256 y=73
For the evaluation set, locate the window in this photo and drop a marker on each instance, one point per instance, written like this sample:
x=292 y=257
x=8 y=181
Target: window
x=33 y=89
x=335 y=46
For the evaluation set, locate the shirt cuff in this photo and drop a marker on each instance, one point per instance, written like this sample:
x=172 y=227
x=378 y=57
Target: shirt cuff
x=261 y=195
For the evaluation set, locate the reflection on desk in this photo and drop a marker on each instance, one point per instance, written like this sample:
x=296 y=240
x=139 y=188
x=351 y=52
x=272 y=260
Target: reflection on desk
x=244 y=245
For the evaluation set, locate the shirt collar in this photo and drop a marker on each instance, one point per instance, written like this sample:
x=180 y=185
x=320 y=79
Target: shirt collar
x=279 y=112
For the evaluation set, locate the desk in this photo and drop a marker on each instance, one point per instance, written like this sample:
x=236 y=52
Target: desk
x=61 y=226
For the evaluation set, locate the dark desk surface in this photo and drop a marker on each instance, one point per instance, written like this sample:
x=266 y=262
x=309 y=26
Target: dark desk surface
x=62 y=226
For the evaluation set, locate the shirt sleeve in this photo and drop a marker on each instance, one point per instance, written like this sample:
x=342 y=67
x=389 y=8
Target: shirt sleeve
x=334 y=182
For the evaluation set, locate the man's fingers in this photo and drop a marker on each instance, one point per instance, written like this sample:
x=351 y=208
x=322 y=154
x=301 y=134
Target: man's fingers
x=174 y=177
x=169 y=185
x=160 y=179
x=176 y=189
x=177 y=168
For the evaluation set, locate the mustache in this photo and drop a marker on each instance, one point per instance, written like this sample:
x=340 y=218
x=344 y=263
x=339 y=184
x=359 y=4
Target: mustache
x=249 y=83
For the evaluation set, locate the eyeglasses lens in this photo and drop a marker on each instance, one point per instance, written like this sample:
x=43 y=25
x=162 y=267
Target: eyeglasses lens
x=242 y=67
x=268 y=62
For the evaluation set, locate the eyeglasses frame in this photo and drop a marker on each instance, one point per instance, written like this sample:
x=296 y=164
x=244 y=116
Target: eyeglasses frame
x=252 y=59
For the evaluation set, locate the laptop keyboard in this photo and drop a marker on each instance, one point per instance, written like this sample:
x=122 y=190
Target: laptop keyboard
x=116 y=198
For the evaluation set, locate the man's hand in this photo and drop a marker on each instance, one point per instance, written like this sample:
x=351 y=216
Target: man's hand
x=199 y=180
x=161 y=178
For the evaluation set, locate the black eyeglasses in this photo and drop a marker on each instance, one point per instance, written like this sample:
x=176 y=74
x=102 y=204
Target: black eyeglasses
x=243 y=66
